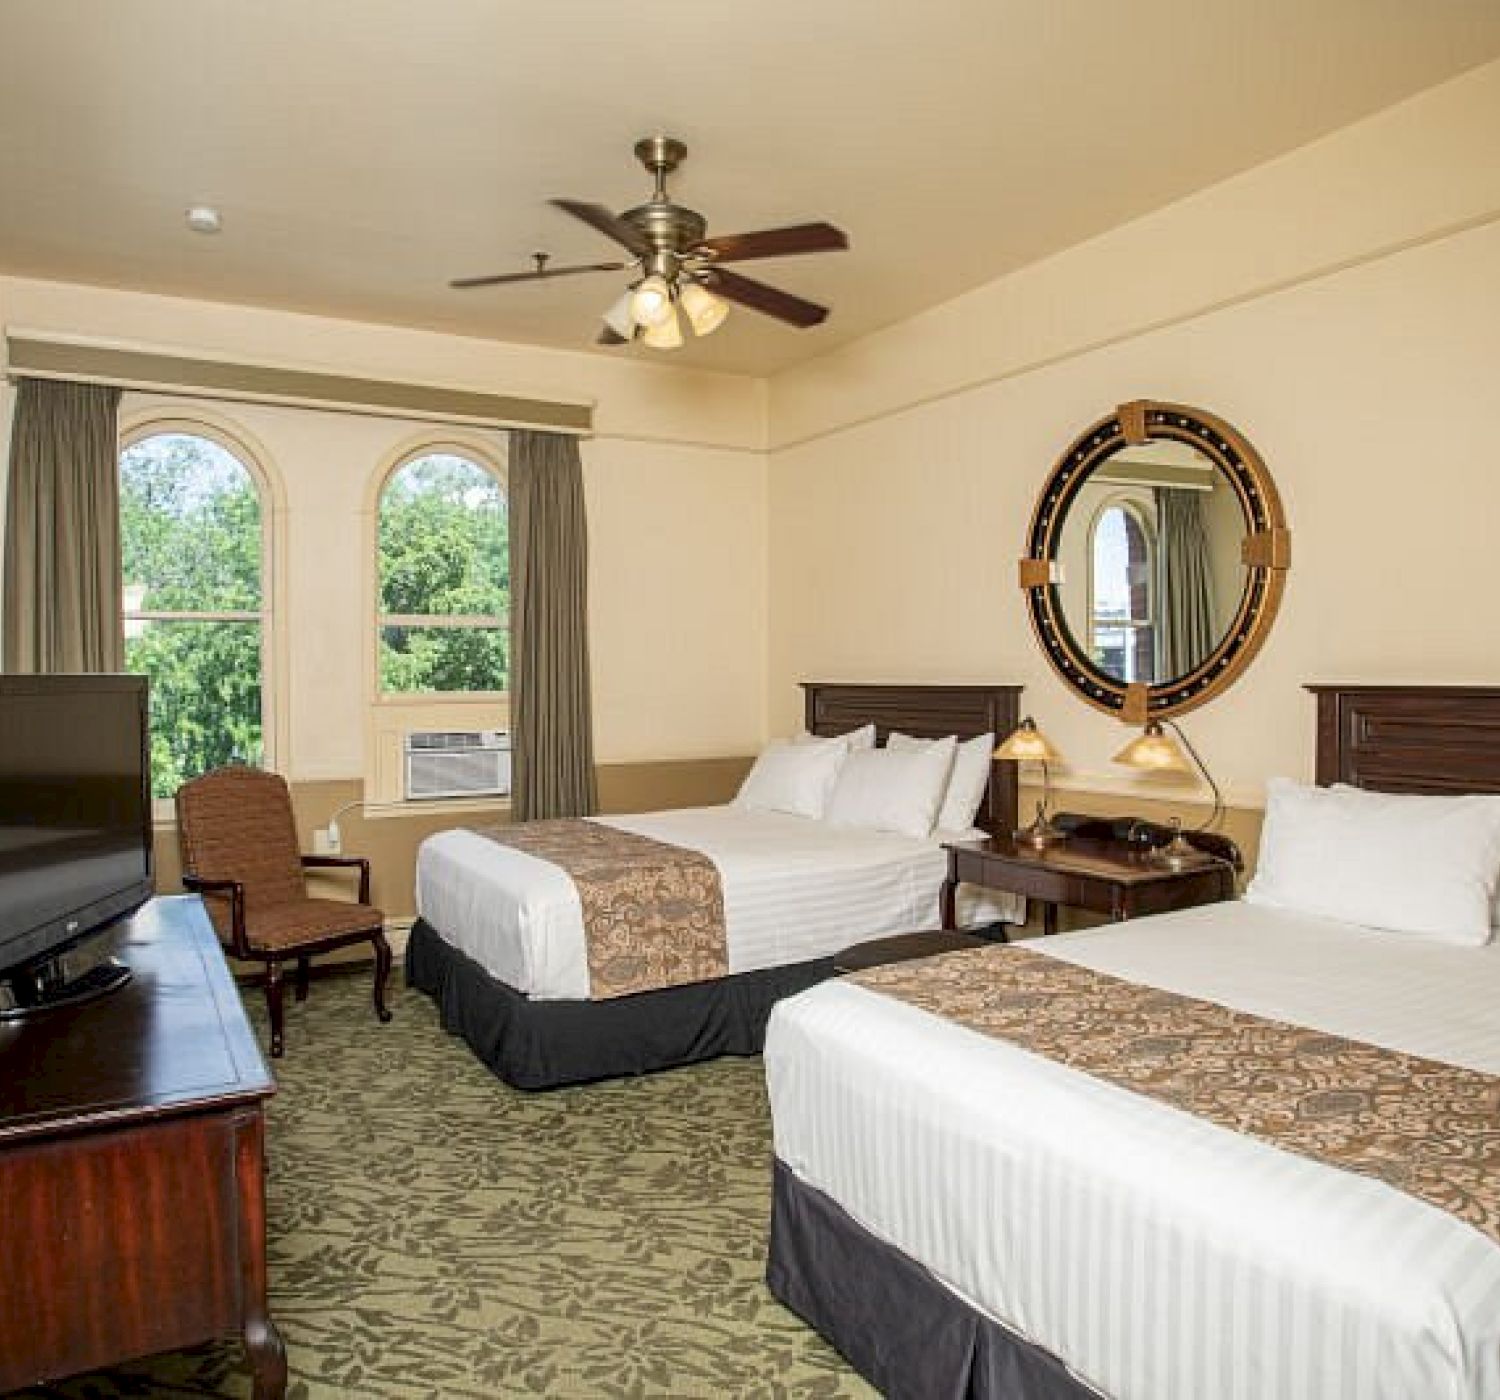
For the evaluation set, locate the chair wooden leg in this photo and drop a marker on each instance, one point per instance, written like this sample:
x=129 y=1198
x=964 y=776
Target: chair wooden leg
x=274 y=988
x=304 y=977
x=382 y=971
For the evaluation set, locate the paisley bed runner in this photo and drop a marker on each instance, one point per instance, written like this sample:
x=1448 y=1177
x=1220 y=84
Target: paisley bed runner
x=653 y=913
x=1427 y=1128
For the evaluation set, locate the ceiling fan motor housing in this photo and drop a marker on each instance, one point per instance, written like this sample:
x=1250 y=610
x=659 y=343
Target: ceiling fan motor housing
x=667 y=227
x=670 y=229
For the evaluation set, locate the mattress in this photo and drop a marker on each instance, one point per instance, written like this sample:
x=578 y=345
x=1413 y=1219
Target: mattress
x=794 y=890
x=1161 y=1256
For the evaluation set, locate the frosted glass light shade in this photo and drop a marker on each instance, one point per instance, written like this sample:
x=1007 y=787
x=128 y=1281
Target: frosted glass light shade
x=705 y=311
x=1155 y=751
x=1027 y=744
x=667 y=334
x=651 y=303
x=619 y=319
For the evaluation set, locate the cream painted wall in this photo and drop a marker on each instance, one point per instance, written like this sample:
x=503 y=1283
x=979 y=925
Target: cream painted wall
x=1336 y=304
x=675 y=483
x=1421 y=168
x=908 y=464
x=677 y=599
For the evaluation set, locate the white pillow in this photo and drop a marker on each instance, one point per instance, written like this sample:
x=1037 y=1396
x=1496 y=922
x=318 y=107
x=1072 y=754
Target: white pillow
x=795 y=777
x=971 y=771
x=891 y=790
x=1419 y=865
x=861 y=738
x=1477 y=797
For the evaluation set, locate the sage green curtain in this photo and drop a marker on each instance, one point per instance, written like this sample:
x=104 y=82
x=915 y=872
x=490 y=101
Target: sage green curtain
x=62 y=530
x=1186 y=629
x=552 y=729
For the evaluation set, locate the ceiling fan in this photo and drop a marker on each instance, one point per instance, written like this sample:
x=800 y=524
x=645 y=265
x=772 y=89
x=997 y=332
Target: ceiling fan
x=676 y=268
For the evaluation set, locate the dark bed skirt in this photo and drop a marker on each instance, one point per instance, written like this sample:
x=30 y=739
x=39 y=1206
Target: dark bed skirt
x=546 y=1044
x=906 y=1334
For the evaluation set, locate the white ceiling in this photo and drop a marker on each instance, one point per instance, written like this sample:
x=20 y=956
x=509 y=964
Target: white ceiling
x=364 y=151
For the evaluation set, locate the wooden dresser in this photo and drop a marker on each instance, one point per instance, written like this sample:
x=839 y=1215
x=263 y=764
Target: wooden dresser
x=132 y=1168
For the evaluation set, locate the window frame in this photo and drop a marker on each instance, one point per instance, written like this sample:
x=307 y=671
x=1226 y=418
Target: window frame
x=137 y=428
x=1132 y=625
x=487 y=459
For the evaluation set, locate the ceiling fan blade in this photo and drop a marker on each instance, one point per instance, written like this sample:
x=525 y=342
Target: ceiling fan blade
x=609 y=336
x=775 y=242
x=771 y=301
x=596 y=216
x=546 y=276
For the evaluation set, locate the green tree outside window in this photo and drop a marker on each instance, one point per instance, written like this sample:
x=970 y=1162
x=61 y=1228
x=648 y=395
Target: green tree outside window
x=191 y=544
x=444 y=578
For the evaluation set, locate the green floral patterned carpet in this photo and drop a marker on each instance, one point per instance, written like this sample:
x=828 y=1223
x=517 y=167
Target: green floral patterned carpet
x=434 y=1233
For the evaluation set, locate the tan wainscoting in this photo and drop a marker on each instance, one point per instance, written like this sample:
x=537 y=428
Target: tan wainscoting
x=655 y=787
x=1241 y=824
x=390 y=840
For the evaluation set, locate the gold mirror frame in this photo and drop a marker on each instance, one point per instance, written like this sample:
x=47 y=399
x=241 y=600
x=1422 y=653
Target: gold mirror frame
x=1265 y=552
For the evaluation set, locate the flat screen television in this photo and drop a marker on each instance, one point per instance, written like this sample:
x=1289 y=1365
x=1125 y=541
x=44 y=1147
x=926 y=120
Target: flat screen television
x=75 y=831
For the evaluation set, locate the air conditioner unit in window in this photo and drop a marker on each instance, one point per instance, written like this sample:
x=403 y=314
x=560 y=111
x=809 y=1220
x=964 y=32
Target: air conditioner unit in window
x=457 y=763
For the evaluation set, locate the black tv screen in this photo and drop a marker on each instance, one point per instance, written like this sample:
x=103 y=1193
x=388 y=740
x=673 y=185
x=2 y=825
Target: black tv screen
x=75 y=809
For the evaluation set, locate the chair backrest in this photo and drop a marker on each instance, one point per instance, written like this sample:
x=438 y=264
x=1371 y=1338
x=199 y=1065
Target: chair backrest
x=236 y=823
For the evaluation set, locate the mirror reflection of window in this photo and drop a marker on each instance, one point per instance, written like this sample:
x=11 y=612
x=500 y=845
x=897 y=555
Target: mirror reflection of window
x=1188 y=623
x=1121 y=575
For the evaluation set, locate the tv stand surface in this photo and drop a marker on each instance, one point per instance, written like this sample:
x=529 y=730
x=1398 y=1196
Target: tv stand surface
x=132 y=1167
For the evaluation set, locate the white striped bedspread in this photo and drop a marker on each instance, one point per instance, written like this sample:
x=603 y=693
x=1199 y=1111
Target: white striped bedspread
x=1160 y=1256
x=794 y=890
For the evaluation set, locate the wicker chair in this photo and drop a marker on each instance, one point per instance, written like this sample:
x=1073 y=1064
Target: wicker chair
x=239 y=851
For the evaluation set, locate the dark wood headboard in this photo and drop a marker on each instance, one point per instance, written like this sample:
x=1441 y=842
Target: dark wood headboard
x=927 y=712
x=1409 y=738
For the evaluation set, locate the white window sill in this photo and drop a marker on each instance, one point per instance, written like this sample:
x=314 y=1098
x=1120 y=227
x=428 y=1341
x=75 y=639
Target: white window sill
x=411 y=698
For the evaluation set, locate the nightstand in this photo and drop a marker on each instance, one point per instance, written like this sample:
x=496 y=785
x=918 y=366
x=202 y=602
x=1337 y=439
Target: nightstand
x=1093 y=869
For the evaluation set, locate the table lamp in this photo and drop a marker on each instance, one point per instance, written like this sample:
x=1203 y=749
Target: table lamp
x=1027 y=744
x=1157 y=751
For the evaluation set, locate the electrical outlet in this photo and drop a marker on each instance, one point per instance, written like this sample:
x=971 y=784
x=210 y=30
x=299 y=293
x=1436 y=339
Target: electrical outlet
x=325 y=843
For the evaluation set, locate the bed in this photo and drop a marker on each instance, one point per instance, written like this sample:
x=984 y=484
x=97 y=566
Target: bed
x=500 y=946
x=963 y=1217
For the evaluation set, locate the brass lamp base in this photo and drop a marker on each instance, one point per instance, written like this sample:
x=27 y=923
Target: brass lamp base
x=1178 y=853
x=1041 y=833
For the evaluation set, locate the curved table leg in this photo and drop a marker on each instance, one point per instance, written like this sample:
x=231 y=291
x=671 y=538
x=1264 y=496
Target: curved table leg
x=382 y=971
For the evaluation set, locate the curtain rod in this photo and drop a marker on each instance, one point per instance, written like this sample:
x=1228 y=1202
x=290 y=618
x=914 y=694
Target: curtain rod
x=37 y=355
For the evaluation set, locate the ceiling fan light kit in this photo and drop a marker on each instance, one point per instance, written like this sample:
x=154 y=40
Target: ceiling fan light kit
x=705 y=312
x=618 y=318
x=665 y=335
x=676 y=267
x=651 y=303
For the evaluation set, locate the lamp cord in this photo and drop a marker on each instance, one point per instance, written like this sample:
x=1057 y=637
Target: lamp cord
x=1218 y=812
x=333 y=821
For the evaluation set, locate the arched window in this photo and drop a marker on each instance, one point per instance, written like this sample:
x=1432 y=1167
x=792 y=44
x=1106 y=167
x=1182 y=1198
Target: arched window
x=1120 y=570
x=444 y=577
x=192 y=536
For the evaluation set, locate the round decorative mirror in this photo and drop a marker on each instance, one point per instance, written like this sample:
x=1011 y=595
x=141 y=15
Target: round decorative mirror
x=1155 y=561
